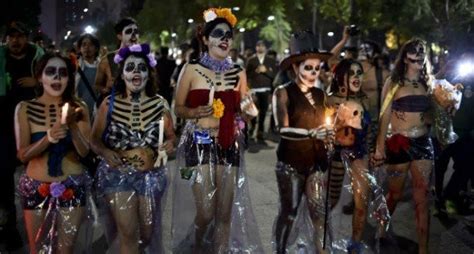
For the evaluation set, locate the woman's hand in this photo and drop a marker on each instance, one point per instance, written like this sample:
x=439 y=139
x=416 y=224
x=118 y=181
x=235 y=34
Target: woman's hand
x=322 y=132
x=167 y=146
x=378 y=157
x=112 y=158
x=58 y=131
x=201 y=111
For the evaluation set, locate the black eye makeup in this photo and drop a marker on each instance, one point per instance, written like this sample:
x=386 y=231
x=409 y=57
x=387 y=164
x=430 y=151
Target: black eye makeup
x=220 y=33
x=130 y=67
x=129 y=31
x=416 y=50
x=418 y=61
x=356 y=73
x=52 y=71
x=311 y=68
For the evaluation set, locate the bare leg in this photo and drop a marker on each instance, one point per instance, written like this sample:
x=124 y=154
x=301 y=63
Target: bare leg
x=33 y=221
x=204 y=191
x=225 y=182
x=146 y=206
x=69 y=222
x=396 y=182
x=421 y=172
x=290 y=188
x=316 y=193
x=360 y=188
x=124 y=206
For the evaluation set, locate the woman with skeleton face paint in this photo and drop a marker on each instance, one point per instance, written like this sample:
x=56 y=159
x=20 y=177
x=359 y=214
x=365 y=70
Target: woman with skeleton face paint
x=52 y=133
x=352 y=127
x=211 y=203
x=406 y=103
x=302 y=161
x=133 y=133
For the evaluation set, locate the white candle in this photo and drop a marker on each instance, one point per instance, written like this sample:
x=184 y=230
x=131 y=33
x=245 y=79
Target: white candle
x=328 y=121
x=64 y=111
x=162 y=128
x=211 y=96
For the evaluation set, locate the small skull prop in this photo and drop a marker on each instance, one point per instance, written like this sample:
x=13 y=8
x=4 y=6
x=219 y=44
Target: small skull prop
x=350 y=114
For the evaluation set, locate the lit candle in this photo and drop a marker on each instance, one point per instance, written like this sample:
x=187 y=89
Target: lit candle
x=328 y=121
x=162 y=128
x=64 y=111
x=211 y=96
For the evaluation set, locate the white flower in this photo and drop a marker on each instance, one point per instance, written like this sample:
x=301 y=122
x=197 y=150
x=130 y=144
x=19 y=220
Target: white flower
x=136 y=48
x=210 y=16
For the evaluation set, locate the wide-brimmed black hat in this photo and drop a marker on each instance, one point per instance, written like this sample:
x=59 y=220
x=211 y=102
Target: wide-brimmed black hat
x=303 y=46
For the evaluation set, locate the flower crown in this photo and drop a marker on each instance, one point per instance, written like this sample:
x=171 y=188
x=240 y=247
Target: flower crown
x=225 y=13
x=144 y=49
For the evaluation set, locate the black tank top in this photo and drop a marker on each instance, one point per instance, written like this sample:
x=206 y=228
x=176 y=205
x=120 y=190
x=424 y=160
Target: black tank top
x=304 y=155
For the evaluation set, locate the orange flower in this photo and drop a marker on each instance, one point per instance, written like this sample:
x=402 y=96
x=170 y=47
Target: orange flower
x=43 y=189
x=226 y=13
x=218 y=108
x=68 y=194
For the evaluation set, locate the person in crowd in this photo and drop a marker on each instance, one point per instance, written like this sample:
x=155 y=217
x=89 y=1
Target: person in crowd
x=88 y=46
x=133 y=133
x=18 y=59
x=236 y=59
x=211 y=189
x=261 y=70
x=164 y=69
x=302 y=159
x=127 y=34
x=52 y=133
x=406 y=104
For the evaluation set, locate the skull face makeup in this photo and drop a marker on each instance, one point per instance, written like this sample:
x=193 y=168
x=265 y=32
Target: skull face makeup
x=130 y=35
x=416 y=56
x=308 y=71
x=366 y=51
x=350 y=114
x=55 y=77
x=135 y=74
x=355 y=75
x=220 y=41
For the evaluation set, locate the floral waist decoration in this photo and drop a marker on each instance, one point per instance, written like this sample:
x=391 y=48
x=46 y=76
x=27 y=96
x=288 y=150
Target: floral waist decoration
x=55 y=190
x=218 y=108
x=398 y=142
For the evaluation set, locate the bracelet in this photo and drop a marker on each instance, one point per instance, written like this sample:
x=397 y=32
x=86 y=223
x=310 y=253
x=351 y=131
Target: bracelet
x=51 y=139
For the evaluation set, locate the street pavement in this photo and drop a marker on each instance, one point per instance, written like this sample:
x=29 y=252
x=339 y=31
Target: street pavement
x=447 y=236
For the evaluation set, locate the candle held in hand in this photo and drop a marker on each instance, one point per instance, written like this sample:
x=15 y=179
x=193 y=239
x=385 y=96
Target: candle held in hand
x=161 y=133
x=64 y=111
x=328 y=121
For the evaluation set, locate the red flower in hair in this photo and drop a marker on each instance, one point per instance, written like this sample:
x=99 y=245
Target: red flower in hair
x=43 y=189
x=68 y=194
x=398 y=142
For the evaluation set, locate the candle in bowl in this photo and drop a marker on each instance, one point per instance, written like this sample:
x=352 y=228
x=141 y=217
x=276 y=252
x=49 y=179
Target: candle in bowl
x=64 y=110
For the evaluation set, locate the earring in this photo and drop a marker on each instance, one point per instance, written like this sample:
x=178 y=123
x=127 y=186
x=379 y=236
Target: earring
x=342 y=90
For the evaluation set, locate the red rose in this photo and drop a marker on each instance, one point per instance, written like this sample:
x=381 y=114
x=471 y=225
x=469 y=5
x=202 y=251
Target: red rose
x=43 y=189
x=67 y=194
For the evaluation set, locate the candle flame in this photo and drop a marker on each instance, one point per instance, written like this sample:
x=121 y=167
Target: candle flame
x=328 y=120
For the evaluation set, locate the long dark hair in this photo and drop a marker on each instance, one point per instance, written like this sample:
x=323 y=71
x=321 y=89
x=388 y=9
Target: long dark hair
x=94 y=41
x=340 y=74
x=68 y=94
x=398 y=73
x=197 y=43
x=151 y=87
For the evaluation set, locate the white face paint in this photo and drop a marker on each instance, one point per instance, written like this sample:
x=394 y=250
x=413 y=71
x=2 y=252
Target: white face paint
x=54 y=77
x=135 y=74
x=355 y=75
x=130 y=35
x=416 y=57
x=365 y=51
x=308 y=71
x=220 y=41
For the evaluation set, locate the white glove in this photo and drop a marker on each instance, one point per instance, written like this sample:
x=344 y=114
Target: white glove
x=322 y=132
x=162 y=156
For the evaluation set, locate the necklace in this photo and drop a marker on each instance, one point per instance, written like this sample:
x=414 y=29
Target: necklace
x=414 y=83
x=215 y=65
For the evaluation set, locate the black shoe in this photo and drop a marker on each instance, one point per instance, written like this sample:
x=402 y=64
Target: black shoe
x=263 y=144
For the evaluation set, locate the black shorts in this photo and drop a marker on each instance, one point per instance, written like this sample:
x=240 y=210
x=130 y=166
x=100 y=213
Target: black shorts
x=401 y=149
x=210 y=153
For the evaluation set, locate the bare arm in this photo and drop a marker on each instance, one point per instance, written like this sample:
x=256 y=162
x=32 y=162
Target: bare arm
x=383 y=123
x=80 y=132
x=101 y=77
x=338 y=47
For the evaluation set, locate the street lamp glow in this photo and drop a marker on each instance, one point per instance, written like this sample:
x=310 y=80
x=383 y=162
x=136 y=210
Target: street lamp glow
x=241 y=29
x=89 y=29
x=65 y=37
x=270 y=18
x=86 y=10
x=286 y=51
x=236 y=8
x=68 y=33
x=330 y=34
x=173 y=35
x=190 y=21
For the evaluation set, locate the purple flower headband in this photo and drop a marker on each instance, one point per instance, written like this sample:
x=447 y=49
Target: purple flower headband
x=124 y=52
